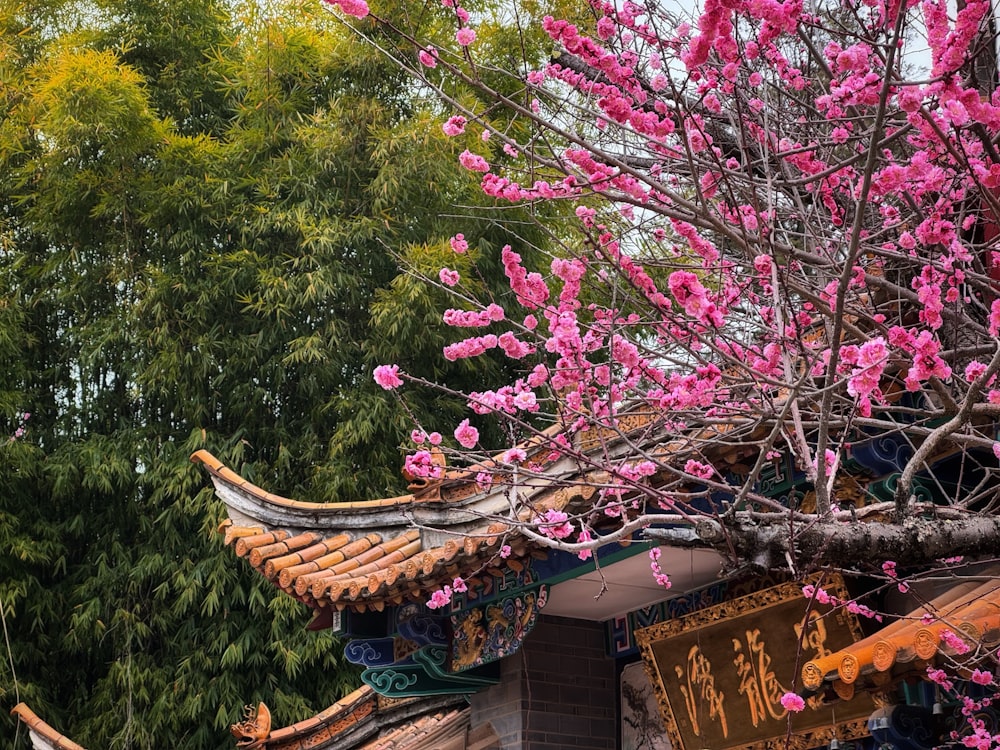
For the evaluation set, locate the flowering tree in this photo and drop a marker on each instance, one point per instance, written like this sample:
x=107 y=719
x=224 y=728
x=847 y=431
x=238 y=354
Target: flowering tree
x=784 y=248
x=783 y=252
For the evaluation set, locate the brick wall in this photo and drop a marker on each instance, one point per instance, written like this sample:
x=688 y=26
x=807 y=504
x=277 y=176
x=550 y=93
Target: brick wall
x=501 y=705
x=559 y=691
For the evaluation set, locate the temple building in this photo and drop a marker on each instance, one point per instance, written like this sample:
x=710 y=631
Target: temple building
x=474 y=634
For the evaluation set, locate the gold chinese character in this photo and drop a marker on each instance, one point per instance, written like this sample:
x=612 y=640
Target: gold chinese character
x=698 y=688
x=757 y=680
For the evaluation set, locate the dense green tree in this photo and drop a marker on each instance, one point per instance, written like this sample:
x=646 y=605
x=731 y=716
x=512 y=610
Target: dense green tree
x=203 y=215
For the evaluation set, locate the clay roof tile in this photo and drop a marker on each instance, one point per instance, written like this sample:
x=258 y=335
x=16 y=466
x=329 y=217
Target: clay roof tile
x=278 y=565
x=246 y=544
x=260 y=554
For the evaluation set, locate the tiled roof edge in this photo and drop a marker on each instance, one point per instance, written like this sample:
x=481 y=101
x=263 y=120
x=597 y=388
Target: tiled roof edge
x=42 y=731
x=252 y=503
x=355 y=719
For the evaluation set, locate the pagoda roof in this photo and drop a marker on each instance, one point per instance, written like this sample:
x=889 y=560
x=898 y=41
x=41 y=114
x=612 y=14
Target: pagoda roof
x=377 y=553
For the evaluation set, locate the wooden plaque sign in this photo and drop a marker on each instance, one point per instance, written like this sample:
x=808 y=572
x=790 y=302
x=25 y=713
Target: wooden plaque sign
x=719 y=673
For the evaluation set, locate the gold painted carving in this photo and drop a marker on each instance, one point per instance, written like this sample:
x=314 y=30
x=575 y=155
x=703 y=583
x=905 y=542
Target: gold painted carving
x=925 y=643
x=849 y=668
x=884 y=655
x=812 y=677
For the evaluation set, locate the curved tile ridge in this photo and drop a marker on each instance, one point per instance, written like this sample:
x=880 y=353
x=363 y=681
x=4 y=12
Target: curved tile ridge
x=349 y=724
x=438 y=731
x=344 y=717
x=43 y=737
x=249 y=505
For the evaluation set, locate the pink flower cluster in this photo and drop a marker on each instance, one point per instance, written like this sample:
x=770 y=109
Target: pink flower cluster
x=661 y=578
x=474 y=318
x=556 y=524
x=466 y=435
x=470 y=347
x=792 y=702
x=422 y=464
x=387 y=376
x=21 y=428
x=440 y=598
x=956 y=644
x=473 y=162
x=530 y=289
x=694 y=298
x=454 y=126
x=428 y=57
x=356 y=8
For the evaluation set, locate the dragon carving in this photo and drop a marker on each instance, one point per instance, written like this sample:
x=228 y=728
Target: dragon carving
x=253 y=731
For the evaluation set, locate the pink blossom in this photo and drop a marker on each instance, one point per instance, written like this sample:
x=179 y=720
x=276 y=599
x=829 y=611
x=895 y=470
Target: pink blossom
x=470 y=347
x=421 y=464
x=584 y=536
x=387 y=376
x=473 y=318
x=661 y=578
x=820 y=595
x=465 y=36
x=995 y=317
x=418 y=436
x=513 y=456
x=428 y=57
x=830 y=463
x=356 y=8
x=954 y=642
x=973 y=370
x=792 y=703
x=459 y=244
x=434 y=438
x=698 y=469
x=514 y=347
x=449 y=277
x=530 y=289
x=454 y=126
x=981 y=677
x=440 y=598
x=458 y=586
x=466 y=435
x=473 y=162
x=940 y=677
x=605 y=27
x=526 y=401
x=557 y=525
x=505 y=551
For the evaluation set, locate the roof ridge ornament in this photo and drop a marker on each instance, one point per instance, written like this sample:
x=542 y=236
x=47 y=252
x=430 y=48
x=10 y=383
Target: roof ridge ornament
x=253 y=731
